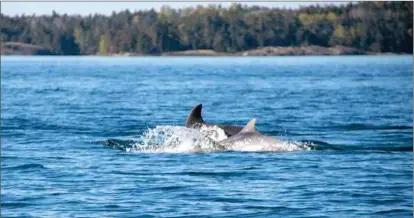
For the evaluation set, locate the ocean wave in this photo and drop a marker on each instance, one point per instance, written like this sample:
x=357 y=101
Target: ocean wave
x=324 y=146
x=361 y=126
x=25 y=167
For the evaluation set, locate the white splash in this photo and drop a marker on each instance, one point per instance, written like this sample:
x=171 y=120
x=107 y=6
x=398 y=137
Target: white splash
x=178 y=139
x=213 y=132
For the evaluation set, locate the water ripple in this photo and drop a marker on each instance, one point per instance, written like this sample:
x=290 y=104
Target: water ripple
x=104 y=137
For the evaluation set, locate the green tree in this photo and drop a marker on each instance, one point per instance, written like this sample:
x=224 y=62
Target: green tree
x=103 y=45
x=372 y=26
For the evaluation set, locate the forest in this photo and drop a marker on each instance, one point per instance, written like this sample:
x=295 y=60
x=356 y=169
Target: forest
x=370 y=26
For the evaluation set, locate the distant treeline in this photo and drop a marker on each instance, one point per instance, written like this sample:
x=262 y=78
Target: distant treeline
x=370 y=26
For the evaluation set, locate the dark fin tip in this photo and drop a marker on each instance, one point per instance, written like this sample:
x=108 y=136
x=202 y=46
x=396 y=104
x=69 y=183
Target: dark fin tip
x=194 y=116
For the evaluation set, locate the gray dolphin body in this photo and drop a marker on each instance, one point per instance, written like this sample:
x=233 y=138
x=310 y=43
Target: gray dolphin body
x=249 y=139
x=195 y=121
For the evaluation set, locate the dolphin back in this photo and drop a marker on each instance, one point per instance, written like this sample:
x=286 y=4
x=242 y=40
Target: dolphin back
x=195 y=120
x=230 y=130
x=248 y=131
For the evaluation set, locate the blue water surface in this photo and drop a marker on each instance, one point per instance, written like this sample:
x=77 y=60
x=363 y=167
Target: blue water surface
x=58 y=112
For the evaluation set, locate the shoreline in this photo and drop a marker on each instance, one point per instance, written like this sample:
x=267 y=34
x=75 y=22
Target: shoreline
x=20 y=49
x=227 y=55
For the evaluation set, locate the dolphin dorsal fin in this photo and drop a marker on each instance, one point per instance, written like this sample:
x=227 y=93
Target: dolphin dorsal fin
x=195 y=116
x=250 y=127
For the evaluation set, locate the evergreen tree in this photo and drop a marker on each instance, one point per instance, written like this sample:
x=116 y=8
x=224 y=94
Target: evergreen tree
x=371 y=26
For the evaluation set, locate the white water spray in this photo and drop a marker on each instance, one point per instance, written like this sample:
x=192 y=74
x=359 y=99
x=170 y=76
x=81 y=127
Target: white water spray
x=177 y=139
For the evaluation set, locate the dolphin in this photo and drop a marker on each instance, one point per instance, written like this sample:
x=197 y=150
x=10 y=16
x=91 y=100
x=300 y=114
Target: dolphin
x=195 y=121
x=248 y=139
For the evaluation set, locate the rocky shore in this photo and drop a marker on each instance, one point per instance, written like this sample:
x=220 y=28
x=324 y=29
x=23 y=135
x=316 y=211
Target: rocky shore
x=276 y=51
x=302 y=50
x=14 y=48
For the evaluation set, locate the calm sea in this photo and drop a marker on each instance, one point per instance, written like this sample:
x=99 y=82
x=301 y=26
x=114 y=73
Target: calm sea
x=103 y=136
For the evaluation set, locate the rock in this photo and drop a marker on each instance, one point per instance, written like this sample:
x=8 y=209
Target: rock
x=16 y=48
x=302 y=50
x=200 y=52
